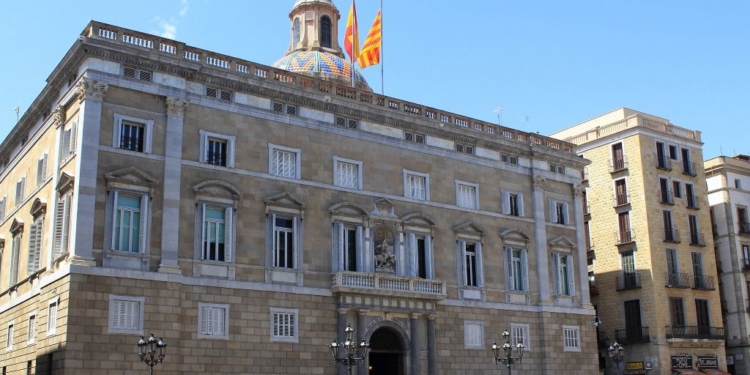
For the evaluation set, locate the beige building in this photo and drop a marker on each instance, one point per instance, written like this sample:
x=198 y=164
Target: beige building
x=248 y=213
x=651 y=261
x=728 y=179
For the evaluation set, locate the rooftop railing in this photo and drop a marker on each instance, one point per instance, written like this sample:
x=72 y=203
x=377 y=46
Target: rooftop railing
x=634 y=121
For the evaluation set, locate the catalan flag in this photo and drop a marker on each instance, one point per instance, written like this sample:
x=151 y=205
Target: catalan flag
x=370 y=54
x=351 y=35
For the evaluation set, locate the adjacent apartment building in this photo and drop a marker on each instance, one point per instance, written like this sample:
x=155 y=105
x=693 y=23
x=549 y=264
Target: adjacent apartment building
x=728 y=180
x=247 y=213
x=647 y=230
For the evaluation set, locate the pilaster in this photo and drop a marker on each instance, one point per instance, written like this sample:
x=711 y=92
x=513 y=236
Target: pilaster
x=540 y=237
x=414 y=340
x=582 y=261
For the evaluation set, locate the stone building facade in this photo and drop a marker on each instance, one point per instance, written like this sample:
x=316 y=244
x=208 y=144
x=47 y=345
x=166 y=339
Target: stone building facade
x=651 y=265
x=247 y=214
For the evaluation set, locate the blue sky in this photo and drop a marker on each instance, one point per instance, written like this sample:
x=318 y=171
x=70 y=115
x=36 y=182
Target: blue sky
x=553 y=63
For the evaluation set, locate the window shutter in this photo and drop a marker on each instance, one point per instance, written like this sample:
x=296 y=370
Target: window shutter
x=35 y=246
x=228 y=233
x=462 y=264
x=555 y=266
x=204 y=239
x=506 y=203
x=565 y=214
x=508 y=268
x=552 y=211
x=65 y=146
x=14 y=259
x=66 y=224
x=271 y=253
x=143 y=230
x=115 y=213
x=413 y=251
x=295 y=242
x=525 y=269
x=339 y=252
x=571 y=279
x=360 y=248
x=73 y=131
x=428 y=256
x=479 y=271
x=520 y=205
x=59 y=214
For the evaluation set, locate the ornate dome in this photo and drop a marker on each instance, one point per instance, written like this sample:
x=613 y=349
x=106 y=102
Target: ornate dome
x=322 y=64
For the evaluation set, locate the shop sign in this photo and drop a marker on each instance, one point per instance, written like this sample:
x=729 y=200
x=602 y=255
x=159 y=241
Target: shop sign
x=682 y=362
x=708 y=362
x=634 y=366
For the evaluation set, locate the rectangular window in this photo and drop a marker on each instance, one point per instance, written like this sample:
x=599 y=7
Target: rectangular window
x=571 y=341
x=564 y=274
x=466 y=195
x=558 y=212
x=473 y=335
x=702 y=316
x=14 y=257
x=692 y=199
x=284 y=325
x=31 y=337
x=513 y=205
x=217 y=93
x=283 y=243
x=68 y=142
x=11 y=334
x=662 y=158
x=737 y=184
x=128 y=224
x=673 y=152
x=665 y=194
x=695 y=235
x=41 y=170
x=676 y=311
x=62 y=224
x=554 y=168
x=217 y=149
x=20 y=191
x=625 y=235
x=216 y=152
x=742 y=219
x=284 y=162
x=346 y=122
x=216 y=233
x=347 y=173
x=470 y=264
x=2 y=208
x=52 y=317
x=350 y=249
x=143 y=75
x=618 y=158
x=132 y=134
x=126 y=314
x=466 y=149
x=677 y=188
x=414 y=137
x=688 y=167
x=621 y=193
x=422 y=257
x=213 y=321
x=416 y=185
x=287 y=109
x=35 y=245
x=517 y=268
x=519 y=334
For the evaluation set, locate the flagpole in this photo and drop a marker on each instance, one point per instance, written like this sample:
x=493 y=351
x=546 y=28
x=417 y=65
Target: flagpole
x=355 y=41
x=382 y=60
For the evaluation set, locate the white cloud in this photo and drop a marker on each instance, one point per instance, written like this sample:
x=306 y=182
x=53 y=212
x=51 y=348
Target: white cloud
x=168 y=27
x=185 y=8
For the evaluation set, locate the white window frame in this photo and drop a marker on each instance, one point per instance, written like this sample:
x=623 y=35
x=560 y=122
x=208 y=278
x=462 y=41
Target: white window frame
x=52 y=322
x=478 y=263
x=148 y=129
x=113 y=299
x=42 y=169
x=201 y=328
x=571 y=336
x=282 y=338
x=510 y=269
x=229 y=139
x=296 y=225
x=68 y=131
x=229 y=229
x=143 y=229
x=506 y=202
x=411 y=242
x=426 y=176
x=272 y=148
x=569 y=269
x=31 y=328
x=472 y=329
x=553 y=217
x=337 y=181
x=10 y=333
x=523 y=329
x=341 y=252
x=460 y=201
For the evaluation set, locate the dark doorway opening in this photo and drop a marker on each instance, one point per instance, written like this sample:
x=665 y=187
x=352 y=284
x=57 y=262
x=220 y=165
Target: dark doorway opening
x=386 y=353
x=385 y=364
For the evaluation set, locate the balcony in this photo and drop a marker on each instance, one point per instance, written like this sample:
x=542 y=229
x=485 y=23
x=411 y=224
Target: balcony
x=697 y=239
x=622 y=199
x=387 y=285
x=629 y=281
x=677 y=280
x=693 y=332
x=745 y=264
x=688 y=168
x=593 y=290
x=664 y=163
x=632 y=336
x=672 y=235
x=703 y=282
x=692 y=202
x=591 y=253
x=744 y=229
x=666 y=197
x=618 y=164
x=624 y=237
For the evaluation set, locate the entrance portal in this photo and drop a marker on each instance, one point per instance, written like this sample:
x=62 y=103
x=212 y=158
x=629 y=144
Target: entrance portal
x=386 y=353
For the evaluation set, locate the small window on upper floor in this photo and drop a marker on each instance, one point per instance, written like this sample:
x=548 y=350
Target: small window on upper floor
x=346 y=122
x=68 y=141
x=467 y=195
x=347 y=173
x=132 y=134
x=217 y=93
x=737 y=183
x=325 y=32
x=284 y=161
x=466 y=149
x=20 y=191
x=557 y=168
x=414 y=137
x=217 y=149
x=416 y=185
x=509 y=159
x=135 y=73
x=288 y=109
x=673 y=154
x=296 y=32
x=42 y=170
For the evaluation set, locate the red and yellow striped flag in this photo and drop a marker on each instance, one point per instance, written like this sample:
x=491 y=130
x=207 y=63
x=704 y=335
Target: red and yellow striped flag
x=370 y=54
x=351 y=35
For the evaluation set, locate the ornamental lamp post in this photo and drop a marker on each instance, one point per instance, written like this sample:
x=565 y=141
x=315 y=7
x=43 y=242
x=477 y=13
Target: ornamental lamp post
x=353 y=353
x=616 y=353
x=506 y=356
x=151 y=351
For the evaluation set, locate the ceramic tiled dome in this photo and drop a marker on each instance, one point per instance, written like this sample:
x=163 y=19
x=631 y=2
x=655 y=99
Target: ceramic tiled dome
x=320 y=64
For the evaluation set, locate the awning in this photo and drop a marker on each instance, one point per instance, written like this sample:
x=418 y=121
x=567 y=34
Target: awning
x=687 y=372
x=715 y=372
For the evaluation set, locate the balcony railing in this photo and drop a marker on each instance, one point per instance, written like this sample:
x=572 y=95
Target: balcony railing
x=666 y=197
x=688 y=168
x=629 y=281
x=622 y=199
x=593 y=290
x=672 y=235
x=618 y=164
x=703 y=282
x=745 y=229
x=677 y=280
x=632 y=336
x=745 y=264
x=664 y=163
x=624 y=237
x=378 y=283
x=692 y=202
x=697 y=239
x=693 y=332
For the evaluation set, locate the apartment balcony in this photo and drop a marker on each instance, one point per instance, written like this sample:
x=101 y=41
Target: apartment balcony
x=703 y=282
x=624 y=237
x=678 y=280
x=593 y=290
x=664 y=163
x=745 y=264
x=621 y=199
x=586 y=210
x=618 y=164
x=666 y=197
x=585 y=175
x=692 y=202
x=744 y=229
x=388 y=285
x=591 y=253
x=631 y=336
x=672 y=235
x=697 y=239
x=629 y=281
x=694 y=332
x=688 y=168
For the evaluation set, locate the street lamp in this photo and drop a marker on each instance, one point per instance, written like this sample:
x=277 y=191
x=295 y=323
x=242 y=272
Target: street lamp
x=353 y=353
x=506 y=357
x=616 y=353
x=152 y=351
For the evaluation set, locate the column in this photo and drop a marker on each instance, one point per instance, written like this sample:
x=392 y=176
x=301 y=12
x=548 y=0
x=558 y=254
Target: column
x=341 y=369
x=583 y=272
x=81 y=239
x=540 y=238
x=170 y=217
x=414 y=344
x=360 y=334
x=431 y=346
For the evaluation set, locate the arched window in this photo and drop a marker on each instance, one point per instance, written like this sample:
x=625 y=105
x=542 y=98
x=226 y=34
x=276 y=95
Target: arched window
x=296 y=32
x=325 y=31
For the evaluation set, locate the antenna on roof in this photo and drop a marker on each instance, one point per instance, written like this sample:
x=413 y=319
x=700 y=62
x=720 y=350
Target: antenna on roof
x=18 y=110
x=499 y=112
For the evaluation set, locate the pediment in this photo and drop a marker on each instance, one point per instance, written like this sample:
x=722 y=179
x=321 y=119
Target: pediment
x=284 y=200
x=561 y=241
x=38 y=208
x=16 y=226
x=384 y=208
x=514 y=235
x=65 y=183
x=469 y=228
x=217 y=189
x=418 y=219
x=348 y=209
x=130 y=176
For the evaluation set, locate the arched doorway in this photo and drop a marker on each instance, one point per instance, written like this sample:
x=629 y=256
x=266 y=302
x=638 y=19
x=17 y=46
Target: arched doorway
x=386 y=353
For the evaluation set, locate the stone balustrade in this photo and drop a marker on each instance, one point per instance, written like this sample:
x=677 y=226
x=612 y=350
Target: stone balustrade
x=387 y=284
